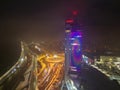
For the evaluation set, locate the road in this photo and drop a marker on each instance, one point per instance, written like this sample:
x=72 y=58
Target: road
x=13 y=79
x=19 y=76
x=88 y=78
x=50 y=72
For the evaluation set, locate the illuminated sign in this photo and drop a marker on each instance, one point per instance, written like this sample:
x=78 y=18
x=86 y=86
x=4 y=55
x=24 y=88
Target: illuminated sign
x=69 y=21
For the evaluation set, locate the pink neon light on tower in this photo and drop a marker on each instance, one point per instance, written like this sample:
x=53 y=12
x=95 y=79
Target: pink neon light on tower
x=75 y=12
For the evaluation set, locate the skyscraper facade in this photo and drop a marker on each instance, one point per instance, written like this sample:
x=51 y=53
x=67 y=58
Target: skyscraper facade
x=73 y=43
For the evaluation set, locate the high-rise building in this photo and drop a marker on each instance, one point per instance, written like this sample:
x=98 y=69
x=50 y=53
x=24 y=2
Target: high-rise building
x=73 y=44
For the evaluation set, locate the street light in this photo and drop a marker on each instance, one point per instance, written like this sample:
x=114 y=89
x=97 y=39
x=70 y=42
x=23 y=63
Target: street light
x=55 y=56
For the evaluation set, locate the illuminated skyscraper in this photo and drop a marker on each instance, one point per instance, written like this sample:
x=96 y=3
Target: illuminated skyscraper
x=73 y=44
x=73 y=47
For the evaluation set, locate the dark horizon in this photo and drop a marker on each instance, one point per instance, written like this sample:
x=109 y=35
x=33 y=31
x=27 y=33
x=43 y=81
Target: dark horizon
x=34 y=19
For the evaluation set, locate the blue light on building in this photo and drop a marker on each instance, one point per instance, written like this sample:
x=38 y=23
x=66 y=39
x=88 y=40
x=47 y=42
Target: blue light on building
x=73 y=43
x=76 y=46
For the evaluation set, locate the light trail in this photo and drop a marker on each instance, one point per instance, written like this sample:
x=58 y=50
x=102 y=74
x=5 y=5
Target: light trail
x=54 y=78
x=50 y=72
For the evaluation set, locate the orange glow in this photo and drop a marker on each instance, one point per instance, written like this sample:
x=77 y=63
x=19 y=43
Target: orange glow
x=50 y=72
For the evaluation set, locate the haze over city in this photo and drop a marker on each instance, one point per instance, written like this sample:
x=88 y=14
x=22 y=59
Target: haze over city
x=60 y=41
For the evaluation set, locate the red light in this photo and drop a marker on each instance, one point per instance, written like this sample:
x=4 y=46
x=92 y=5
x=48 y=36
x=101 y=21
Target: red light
x=69 y=21
x=75 y=12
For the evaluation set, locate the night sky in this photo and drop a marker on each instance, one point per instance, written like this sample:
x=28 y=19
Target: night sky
x=44 y=20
